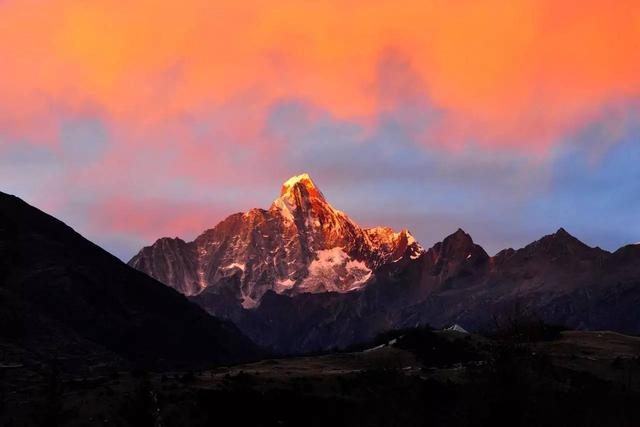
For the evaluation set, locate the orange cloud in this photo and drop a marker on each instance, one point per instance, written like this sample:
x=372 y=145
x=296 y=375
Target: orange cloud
x=517 y=72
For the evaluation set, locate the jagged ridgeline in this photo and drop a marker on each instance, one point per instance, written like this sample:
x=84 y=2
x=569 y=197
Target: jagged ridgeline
x=301 y=244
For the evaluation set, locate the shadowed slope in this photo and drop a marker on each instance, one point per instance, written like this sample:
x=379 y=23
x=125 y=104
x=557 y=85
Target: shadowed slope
x=62 y=295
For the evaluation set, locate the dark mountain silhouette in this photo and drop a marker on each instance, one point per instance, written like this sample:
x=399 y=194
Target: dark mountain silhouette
x=64 y=297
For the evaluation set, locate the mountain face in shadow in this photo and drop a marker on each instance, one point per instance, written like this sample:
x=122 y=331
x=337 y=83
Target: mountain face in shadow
x=302 y=276
x=64 y=297
x=556 y=279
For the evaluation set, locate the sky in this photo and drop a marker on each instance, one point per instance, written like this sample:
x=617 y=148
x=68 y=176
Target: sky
x=136 y=120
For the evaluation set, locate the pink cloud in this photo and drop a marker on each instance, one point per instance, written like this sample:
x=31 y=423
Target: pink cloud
x=517 y=73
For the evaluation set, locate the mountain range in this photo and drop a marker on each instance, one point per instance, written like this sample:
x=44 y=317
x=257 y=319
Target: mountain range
x=302 y=276
x=86 y=339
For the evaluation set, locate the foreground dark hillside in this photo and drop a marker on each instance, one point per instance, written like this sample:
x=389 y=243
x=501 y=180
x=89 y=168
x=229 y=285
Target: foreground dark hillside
x=64 y=298
x=408 y=378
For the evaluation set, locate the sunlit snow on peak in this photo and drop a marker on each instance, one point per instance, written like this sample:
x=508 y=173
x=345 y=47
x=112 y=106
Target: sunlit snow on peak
x=303 y=179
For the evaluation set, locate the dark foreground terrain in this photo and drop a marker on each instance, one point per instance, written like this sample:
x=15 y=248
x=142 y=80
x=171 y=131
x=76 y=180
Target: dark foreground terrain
x=410 y=378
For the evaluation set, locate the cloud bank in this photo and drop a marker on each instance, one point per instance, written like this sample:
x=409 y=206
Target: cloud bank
x=159 y=117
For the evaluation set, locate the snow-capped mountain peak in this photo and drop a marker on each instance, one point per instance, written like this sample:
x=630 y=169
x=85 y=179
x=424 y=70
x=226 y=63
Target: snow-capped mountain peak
x=302 y=203
x=300 y=245
x=300 y=181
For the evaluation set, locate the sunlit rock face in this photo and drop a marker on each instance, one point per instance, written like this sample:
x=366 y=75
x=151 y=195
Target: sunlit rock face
x=301 y=244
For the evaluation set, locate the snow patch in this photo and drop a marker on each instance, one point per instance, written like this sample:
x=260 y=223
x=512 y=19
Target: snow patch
x=357 y=265
x=284 y=210
x=202 y=282
x=334 y=271
x=248 y=302
x=328 y=258
x=283 y=285
x=378 y=347
x=359 y=270
x=296 y=179
x=456 y=328
x=234 y=265
x=360 y=282
x=410 y=239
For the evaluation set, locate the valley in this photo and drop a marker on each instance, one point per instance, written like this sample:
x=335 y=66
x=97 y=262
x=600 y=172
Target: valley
x=484 y=381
